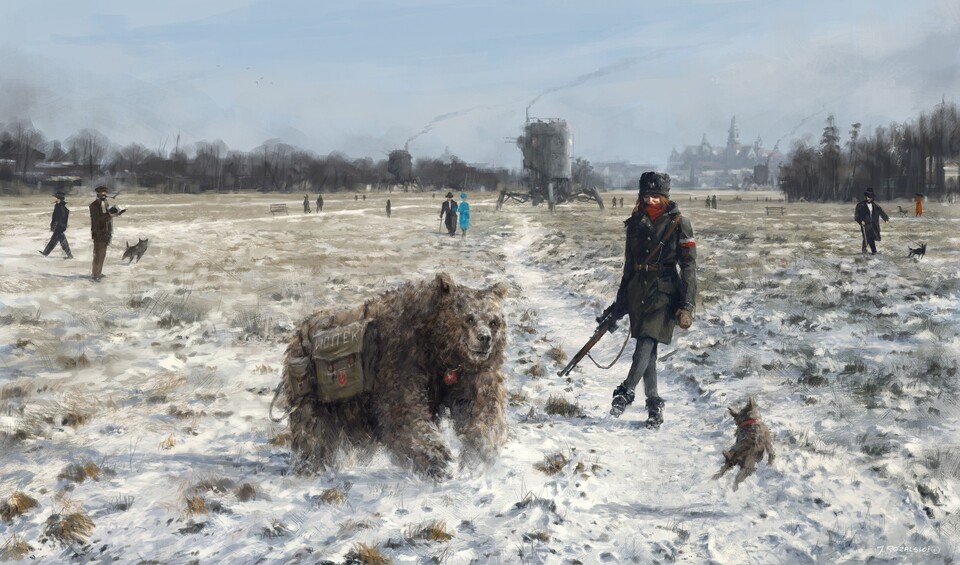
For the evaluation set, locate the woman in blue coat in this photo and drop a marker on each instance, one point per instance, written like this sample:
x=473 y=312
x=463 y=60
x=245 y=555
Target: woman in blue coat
x=464 y=211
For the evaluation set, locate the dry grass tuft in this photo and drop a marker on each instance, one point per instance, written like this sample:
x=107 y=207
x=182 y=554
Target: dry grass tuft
x=552 y=464
x=79 y=472
x=263 y=368
x=557 y=354
x=363 y=554
x=435 y=530
x=245 y=492
x=18 y=503
x=74 y=527
x=15 y=549
x=536 y=370
x=219 y=485
x=537 y=535
x=79 y=362
x=561 y=406
x=183 y=413
x=13 y=391
x=169 y=442
x=333 y=495
x=195 y=505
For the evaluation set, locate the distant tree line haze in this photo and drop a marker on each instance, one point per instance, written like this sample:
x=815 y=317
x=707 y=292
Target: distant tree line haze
x=28 y=159
x=897 y=161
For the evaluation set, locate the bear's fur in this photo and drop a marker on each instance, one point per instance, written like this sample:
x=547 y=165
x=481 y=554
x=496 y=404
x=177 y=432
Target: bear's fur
x=426 y=330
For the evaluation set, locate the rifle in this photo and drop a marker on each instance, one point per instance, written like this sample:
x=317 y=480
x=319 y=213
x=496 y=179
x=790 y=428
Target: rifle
x=607 y=322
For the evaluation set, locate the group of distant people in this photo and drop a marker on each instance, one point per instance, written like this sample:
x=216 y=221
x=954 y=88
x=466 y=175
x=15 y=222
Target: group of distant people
x=450 y=212
x=101 y=228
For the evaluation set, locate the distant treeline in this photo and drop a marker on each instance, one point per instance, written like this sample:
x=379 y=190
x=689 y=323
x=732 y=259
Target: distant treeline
x=26 y=154
x=897 y=161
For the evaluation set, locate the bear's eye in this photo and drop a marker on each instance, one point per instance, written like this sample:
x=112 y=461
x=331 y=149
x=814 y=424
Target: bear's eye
x=471 y=319
x=495 y=323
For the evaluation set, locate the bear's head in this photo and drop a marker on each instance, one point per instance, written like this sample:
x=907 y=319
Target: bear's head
x=470 y=325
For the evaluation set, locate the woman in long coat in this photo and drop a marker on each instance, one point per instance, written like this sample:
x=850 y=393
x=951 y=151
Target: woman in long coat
x=464 y=211
x=658 y=288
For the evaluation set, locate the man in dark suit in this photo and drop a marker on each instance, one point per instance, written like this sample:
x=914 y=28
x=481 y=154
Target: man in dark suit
x=58 y=225
x=868 y=214
x=101 y=228
x=449 y=208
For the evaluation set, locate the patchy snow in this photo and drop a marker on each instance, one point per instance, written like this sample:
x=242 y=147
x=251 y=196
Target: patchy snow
x=161 y=376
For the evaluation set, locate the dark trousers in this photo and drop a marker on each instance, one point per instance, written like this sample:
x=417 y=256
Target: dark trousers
x=644 y=367
x=99 y=254
x=60 y=237
x=452 y=224
x=869 y=238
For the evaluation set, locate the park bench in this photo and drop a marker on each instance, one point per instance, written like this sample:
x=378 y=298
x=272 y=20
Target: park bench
x=278 y=209
x=776 y=210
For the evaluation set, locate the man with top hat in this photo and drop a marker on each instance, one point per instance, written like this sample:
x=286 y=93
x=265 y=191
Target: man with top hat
x=658 y=288
x=449 y=208
x=868 y=214
x=58 y=225
x=101 y=228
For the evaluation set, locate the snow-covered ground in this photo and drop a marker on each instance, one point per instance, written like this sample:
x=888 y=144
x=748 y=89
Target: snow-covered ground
x=154 y=385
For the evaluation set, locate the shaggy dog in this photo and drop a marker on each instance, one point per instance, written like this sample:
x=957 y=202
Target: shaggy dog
x=440 y=346
x=135 y=250
x=917 y=252
x=753 y=438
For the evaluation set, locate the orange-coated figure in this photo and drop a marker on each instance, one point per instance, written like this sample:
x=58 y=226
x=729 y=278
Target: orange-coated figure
x=919 y=204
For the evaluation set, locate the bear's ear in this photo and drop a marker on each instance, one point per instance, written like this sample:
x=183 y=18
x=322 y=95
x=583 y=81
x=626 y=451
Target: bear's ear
x=750 y=403
x=732 y=411
x=444 y=283
x=499 y=290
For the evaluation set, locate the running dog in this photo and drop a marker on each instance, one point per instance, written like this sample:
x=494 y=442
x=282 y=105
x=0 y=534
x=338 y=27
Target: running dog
x=753 y=439
x=135 y=250
x=918 y=252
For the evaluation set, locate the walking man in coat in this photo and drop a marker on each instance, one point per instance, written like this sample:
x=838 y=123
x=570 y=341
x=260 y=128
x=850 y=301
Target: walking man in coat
x=868 y=214
x=449 y=207
x=101 y=228
x=306 y=204
x=658 y=288
x=388 y=207
x=58 y=225
x=319 y=203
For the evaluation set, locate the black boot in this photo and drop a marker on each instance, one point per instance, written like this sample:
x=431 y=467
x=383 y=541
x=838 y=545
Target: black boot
x=654 y=412
x=621 y=399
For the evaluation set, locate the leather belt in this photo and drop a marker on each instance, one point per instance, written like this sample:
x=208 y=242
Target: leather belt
x=650 y=267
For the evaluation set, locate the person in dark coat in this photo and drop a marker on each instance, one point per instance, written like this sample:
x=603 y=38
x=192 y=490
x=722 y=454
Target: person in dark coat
x=868 y=214
x=58 y=225
x=621 y=202
x=657 y=293
x=306 y=204
x=449 y=208
x=388 y=207
x=713 y=202
x=319 y=203
x=614 y=205
x=101 y=228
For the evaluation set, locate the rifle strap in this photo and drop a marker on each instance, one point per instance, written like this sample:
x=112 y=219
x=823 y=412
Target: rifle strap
x=617 y=358
x=673 y=227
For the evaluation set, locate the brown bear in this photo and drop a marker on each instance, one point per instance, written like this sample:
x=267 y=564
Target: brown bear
x=439 y=345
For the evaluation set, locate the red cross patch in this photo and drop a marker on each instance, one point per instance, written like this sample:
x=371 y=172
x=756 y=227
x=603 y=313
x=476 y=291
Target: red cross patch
x=342 y=377
x=450 y=377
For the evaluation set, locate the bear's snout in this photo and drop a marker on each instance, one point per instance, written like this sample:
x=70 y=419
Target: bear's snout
x=484 y=337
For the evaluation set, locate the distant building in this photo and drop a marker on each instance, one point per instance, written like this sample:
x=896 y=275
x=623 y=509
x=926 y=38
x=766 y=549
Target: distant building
x=735 y=165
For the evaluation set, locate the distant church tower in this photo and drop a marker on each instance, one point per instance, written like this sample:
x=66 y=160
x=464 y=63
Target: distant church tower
x=733 y=141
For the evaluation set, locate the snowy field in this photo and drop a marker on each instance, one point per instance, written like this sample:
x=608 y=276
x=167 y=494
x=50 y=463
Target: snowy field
x=134 y=410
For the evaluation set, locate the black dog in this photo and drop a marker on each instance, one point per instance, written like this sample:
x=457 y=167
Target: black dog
x=139 y=249
x=918 y=252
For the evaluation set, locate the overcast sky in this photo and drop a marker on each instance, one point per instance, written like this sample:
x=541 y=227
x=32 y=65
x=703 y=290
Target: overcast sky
x=633 y=79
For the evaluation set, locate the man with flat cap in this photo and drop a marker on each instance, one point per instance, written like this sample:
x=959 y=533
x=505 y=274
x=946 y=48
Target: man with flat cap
x=658 y=288
x=101 y=228
x=868 y=214
x=58 y=225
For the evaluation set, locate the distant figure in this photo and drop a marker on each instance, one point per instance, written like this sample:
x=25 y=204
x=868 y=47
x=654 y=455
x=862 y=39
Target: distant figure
x=58 y=225
x=919 y=204
x=364 y=197
x=464 y=211
x=621 y=202
x=614 y=204
x=388 y=207
x=868 y=214
x=101 y=228
x=306 y=204
x=449 y=208
x=319 y=203
x=713 y=203
x=708 y=201
x=355 y=197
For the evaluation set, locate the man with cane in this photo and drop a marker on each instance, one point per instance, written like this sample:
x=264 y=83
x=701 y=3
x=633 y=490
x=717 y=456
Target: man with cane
x=868 y=214
x=449 y=208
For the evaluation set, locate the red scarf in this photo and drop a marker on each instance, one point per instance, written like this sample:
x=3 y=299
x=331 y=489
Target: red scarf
x=654 y=210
